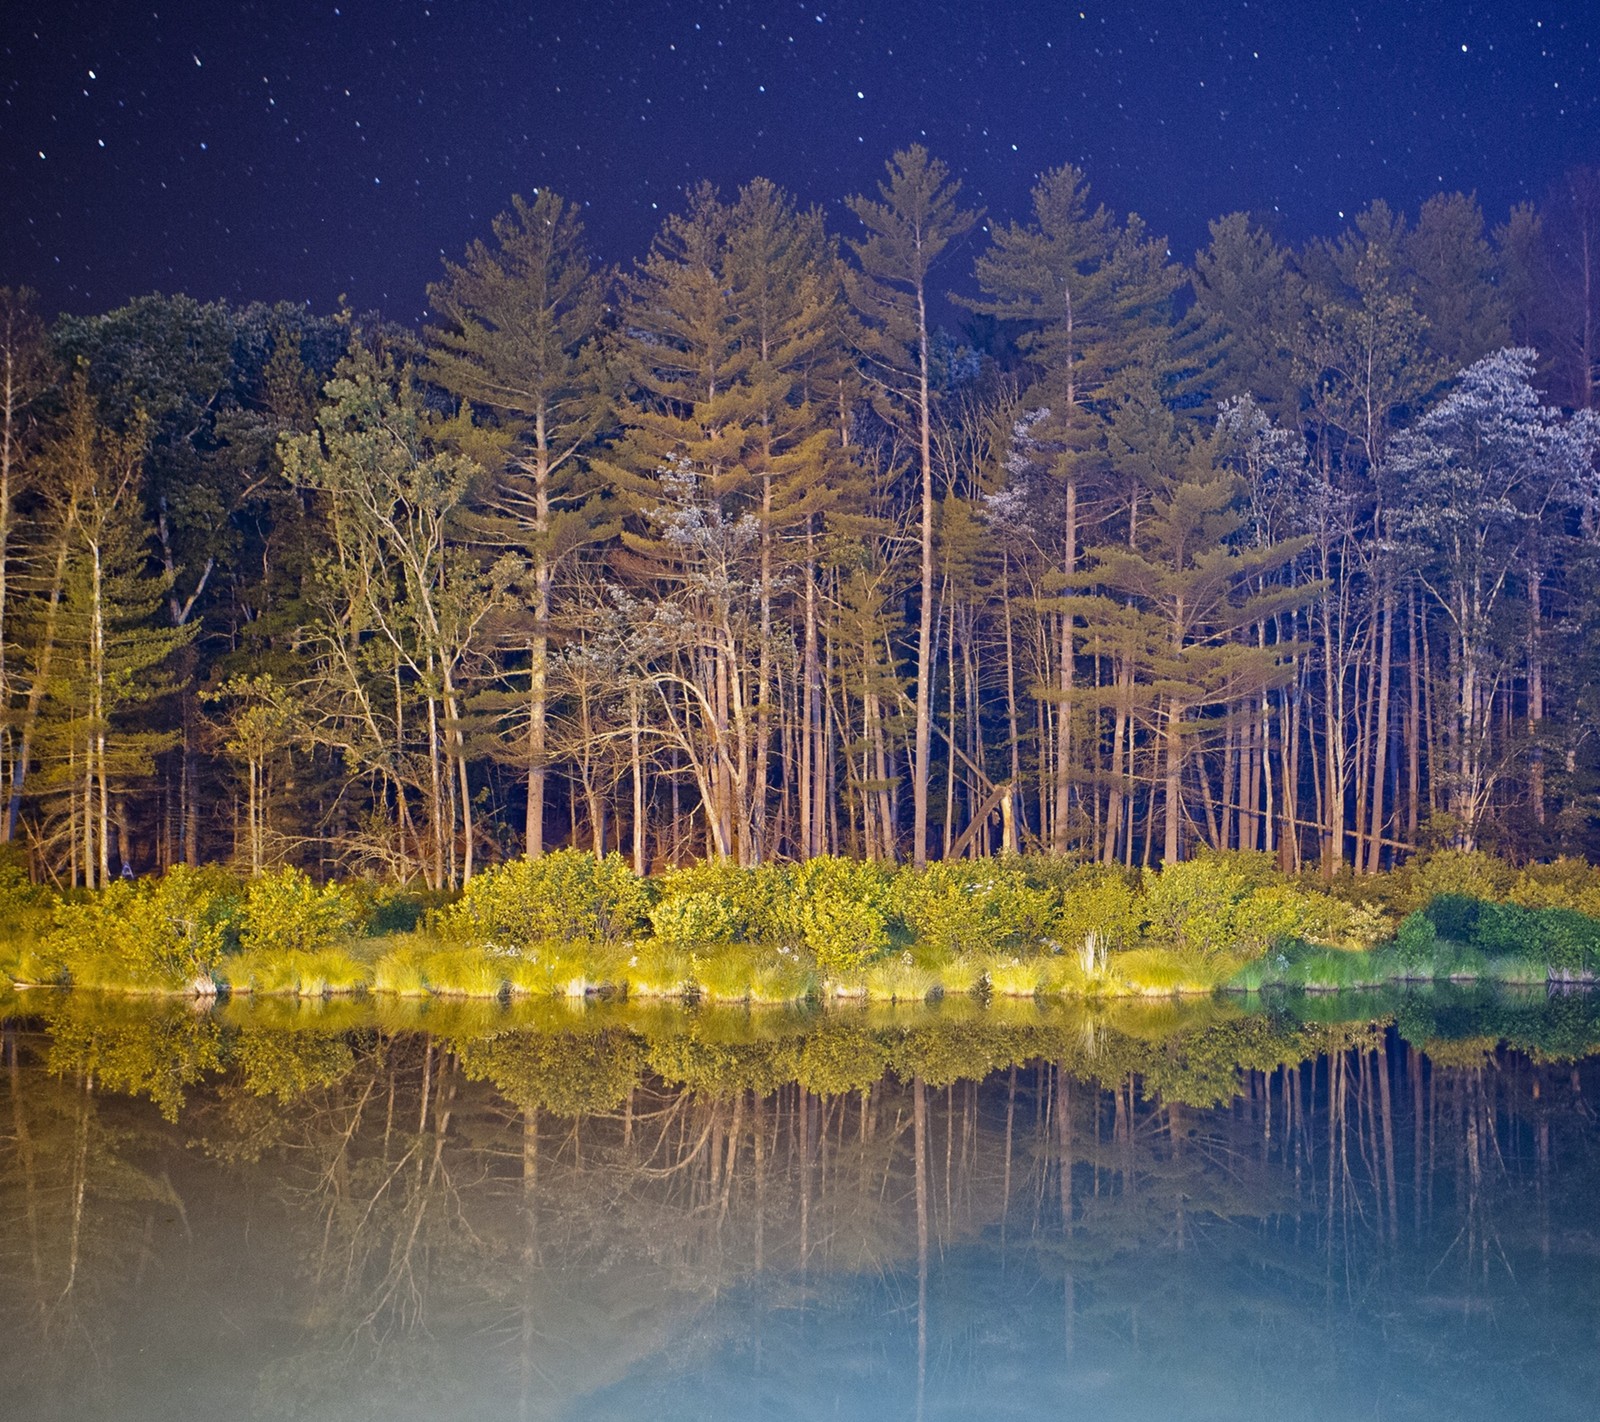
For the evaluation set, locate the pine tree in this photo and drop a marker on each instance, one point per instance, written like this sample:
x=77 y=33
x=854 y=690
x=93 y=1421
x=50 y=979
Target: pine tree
x=1169 y=602
x=1090 y=297
x=522 y=347
x=909 y=227
x=109 y=648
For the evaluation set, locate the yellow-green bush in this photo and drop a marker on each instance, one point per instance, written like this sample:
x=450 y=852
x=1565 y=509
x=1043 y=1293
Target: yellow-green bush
x=1464 y=873
x=705 y=905
x=566 y=896
x=1209 y=910
x=844 y=908
x=1566 y=884
x=148 y=934
x=1100 y=903
x=285 y=912
x=974 y=906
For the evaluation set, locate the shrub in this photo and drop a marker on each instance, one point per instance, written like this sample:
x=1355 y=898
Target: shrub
x=1466 y=873
x=844 y=908
x=966 y=906
x=25 y=907
x=1101 y=903
x=1455 y=916
x=1566 y=884
x=1210 y=910
x=563 y=897
x=1345 y=923
x=284 y=912
x=704 y=905
x=1415 y=941
x=388 y=909
x=165 y=933
x=1570 y=942
x=1506 y=929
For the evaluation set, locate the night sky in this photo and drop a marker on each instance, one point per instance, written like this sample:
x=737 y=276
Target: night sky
x=292 y=150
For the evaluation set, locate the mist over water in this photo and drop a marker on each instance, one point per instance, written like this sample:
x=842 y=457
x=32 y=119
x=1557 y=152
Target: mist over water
x=1313 y=1208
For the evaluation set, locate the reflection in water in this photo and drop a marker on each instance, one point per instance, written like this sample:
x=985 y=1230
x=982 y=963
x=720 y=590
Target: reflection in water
x=476 y=1213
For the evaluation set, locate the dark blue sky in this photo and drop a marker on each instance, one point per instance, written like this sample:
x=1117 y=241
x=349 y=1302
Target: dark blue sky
x=293 y=150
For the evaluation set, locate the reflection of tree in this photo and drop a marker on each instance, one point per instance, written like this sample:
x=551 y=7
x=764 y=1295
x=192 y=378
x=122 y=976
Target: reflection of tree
x=78 y=1216
x=610 y=1207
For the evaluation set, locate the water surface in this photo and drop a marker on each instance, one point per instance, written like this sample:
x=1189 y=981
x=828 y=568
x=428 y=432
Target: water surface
x=1369 y=1206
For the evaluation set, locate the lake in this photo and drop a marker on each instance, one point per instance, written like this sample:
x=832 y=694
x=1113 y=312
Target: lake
x=1353 y=1206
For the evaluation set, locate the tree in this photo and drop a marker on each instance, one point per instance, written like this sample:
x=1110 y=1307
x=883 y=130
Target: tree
x=404 y=598
x=909 y=227
x=1171 y=600
x=521 y=344
x=731 y=344
x=1090 y=297
x=110 y=656
x=24 y=368
x=1480 y=474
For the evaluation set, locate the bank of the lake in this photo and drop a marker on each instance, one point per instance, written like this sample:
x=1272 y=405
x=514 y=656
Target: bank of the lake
x=572 y=926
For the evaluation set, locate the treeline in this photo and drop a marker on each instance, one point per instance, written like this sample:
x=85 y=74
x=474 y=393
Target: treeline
x=741 y=554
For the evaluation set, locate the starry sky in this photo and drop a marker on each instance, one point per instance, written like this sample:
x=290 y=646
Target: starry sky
x=279 y=149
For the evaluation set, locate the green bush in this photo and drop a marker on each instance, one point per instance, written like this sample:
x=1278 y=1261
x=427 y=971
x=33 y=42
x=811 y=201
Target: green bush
x=1569 y=941
x=284 y=912
x=1415 y=941
x=151 y=934
x=388 y=909
x=563 y=897
x=1455 y=916
x=1506 y=929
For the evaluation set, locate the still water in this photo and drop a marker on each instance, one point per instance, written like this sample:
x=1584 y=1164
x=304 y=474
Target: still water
x=1308 y=1208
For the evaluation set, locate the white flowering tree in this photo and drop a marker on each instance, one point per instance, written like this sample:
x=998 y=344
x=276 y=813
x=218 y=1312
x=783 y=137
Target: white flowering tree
x=1481 y=481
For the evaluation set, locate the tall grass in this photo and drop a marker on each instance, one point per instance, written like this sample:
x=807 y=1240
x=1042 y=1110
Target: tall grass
x=1160 y=972
x=899 y=979
x=465 y=972
x=398 y=973
x=654 y=972
x=1016 y=977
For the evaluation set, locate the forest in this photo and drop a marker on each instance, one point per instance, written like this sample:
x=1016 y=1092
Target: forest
x=938 y=536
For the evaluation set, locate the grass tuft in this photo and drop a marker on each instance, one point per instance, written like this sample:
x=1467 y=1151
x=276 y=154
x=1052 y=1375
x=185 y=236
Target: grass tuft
x=465 y=972
x=899 y=979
